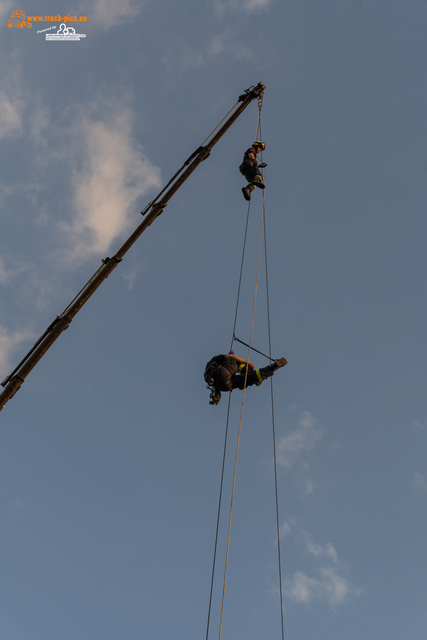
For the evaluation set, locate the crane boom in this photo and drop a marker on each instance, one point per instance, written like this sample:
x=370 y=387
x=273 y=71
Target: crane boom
x=14 y=380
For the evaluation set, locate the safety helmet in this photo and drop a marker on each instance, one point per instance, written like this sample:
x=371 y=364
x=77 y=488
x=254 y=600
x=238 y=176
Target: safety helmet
x=259 y=144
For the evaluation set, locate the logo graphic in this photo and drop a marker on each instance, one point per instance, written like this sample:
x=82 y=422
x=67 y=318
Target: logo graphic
x=18 y=19
x=65 y=33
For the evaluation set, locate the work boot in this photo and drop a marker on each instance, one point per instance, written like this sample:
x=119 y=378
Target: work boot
x=266 y=372
x=278 y=364
x=246 y=193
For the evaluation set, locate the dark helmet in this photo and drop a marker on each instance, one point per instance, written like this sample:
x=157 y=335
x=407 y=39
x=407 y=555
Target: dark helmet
x=259 y=144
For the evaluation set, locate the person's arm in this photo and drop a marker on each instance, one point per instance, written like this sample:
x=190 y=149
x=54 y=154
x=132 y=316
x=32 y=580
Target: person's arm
x=241 y=361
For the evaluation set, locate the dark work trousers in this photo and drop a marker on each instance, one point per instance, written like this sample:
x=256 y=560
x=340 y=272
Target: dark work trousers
x=251 y=172
x=224 y=380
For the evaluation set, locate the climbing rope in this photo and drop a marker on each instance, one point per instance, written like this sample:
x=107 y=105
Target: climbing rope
x=241 y=273
x=186 y=163
x=218 y=516
x=261 y=234
x=240 y=425
x=273 y=426
x=246 y=374
x=258 y=122
x=257 y=132
x=224 y=454
x=218 y=125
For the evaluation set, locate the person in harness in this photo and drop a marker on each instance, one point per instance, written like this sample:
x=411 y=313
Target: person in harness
x=228 y=372
x=250 y=169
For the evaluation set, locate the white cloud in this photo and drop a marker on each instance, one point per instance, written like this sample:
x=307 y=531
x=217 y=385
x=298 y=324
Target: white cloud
x=8 y=342
x=6 y=9
x=10 y=115
x=301 y=536
x=40 y=121
x=190 y=59
x=418 y=426
x=14 y=95
x=319 y=550
x=419 y=430
x=251 y=6
x=419 y=483
x=9 y=273
x=308 y=486
x=226 y=44
x=114 y=174
x=129 y=278
x=255 y=5
x=329 y=587
x=179 y=58
x=110 y=13
x=286 y=528
x=218 y=45
x=304 y=438
x=29 y=190
x=4 y=276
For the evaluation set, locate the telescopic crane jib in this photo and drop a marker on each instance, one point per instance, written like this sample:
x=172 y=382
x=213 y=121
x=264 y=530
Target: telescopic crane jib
x=14 y=380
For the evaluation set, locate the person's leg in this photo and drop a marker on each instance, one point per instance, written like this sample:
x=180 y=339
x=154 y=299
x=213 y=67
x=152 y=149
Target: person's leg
x=253 y=377
x=223 y=380
x=257 y=376
x=254 y=177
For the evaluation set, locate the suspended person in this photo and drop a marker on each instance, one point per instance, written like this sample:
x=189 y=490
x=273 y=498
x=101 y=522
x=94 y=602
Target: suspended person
x=250 y=169
x=228 y=372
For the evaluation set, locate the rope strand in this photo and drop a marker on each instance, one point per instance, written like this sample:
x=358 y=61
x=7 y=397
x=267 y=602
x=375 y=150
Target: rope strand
x=218 y=125
x=273 y=428
x=241 y=272
x=218 y=517
x=240 y=426
x=262 y=229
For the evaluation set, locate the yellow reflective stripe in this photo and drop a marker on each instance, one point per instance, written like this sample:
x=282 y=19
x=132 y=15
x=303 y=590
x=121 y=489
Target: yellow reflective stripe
x=259 y=376
x=242 y=366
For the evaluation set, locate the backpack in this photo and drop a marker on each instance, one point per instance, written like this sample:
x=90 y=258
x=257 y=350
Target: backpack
x=211 y=368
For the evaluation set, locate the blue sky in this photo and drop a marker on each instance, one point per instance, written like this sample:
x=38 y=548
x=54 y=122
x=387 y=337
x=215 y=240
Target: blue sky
x=110 y=455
